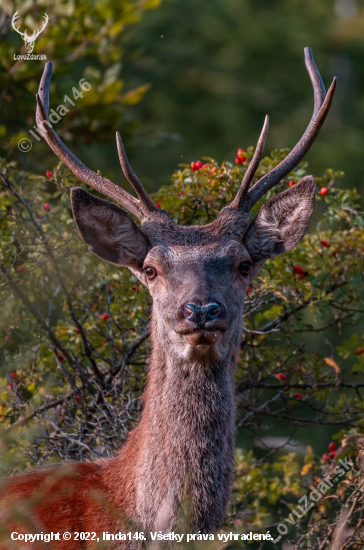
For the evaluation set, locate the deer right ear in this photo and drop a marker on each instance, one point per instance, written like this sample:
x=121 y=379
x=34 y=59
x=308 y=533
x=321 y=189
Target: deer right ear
x=109 y=230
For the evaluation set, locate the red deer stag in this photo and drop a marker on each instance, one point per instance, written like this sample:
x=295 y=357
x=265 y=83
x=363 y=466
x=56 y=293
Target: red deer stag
x=178 y=462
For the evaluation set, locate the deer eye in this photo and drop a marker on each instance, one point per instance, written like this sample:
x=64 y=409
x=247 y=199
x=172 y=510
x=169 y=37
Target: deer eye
x=244 y=268
x=150 y=272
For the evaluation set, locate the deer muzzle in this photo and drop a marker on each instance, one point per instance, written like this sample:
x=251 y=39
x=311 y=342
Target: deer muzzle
x=201 y=324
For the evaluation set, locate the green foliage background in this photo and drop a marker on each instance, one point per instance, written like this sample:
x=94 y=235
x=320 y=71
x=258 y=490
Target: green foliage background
x=183 y=81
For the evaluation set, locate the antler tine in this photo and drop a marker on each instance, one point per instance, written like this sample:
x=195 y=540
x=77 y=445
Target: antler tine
x=103 y=185
x=252 y=168
x=132 y=177
x=44 y=24
x=322 y=104
x=316 y=80
x=15 y=18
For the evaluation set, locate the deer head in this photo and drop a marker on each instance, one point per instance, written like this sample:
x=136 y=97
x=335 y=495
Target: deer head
x=197 y=275
x=29 y=40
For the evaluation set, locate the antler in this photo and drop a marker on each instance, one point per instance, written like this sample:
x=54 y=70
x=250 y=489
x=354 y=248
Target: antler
x=131 y=176
x=140 y=207
x=36 y=33
x=252 y=168
x=322 y=103
x=46 y=18
x=15 y=18
x=25 y=33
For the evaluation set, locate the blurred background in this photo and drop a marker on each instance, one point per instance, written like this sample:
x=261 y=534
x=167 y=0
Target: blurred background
x=186 y=79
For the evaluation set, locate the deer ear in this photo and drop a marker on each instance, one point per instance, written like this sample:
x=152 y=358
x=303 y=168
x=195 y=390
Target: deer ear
x=281 y=222
x=109 y=230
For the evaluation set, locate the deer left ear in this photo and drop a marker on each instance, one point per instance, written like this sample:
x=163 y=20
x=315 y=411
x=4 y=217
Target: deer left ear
x=281 y=222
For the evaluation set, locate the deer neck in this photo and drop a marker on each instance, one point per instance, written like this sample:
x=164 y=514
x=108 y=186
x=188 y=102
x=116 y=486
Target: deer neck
x=186 y=444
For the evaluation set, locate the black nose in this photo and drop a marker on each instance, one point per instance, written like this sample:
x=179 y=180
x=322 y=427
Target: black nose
x=201 y=314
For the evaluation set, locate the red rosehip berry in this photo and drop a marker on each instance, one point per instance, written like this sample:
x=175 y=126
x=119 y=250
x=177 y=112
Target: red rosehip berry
x=332 y=454
x=241 y=154
x=47 y=206
x=135 y=288
x=77 y=331
x=206 y=166
x=13 y=375
x=297 y=395
x=78 y=398
x=61 y=357
x=299 y=272
x=359 y=351
x=7 y=337
x=292 y=183
x=248 y=290
x=281 y=376
x=104 y=316
x=49 y=174
x=325 y=243
x=325 y=457
x=213 y=170
x=323 y=191
x=299 y=269
x=158 y=204
x=196 y=165
x=182 y=193
x=21 y=269
x=238 y=160
x=9 y=387
x=332 y=447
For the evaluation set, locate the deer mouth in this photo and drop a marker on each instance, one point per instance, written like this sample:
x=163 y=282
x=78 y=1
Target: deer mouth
x=202 y=337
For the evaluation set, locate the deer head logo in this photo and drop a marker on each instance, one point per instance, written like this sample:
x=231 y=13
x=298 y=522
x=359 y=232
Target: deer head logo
x=29 y=40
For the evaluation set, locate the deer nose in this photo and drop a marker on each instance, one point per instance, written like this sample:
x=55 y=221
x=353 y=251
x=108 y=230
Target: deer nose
x=201 y=314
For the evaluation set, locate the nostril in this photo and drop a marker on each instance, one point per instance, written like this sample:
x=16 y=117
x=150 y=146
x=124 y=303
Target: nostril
x=189 y=309
x=201 y=314
x=213 y=311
